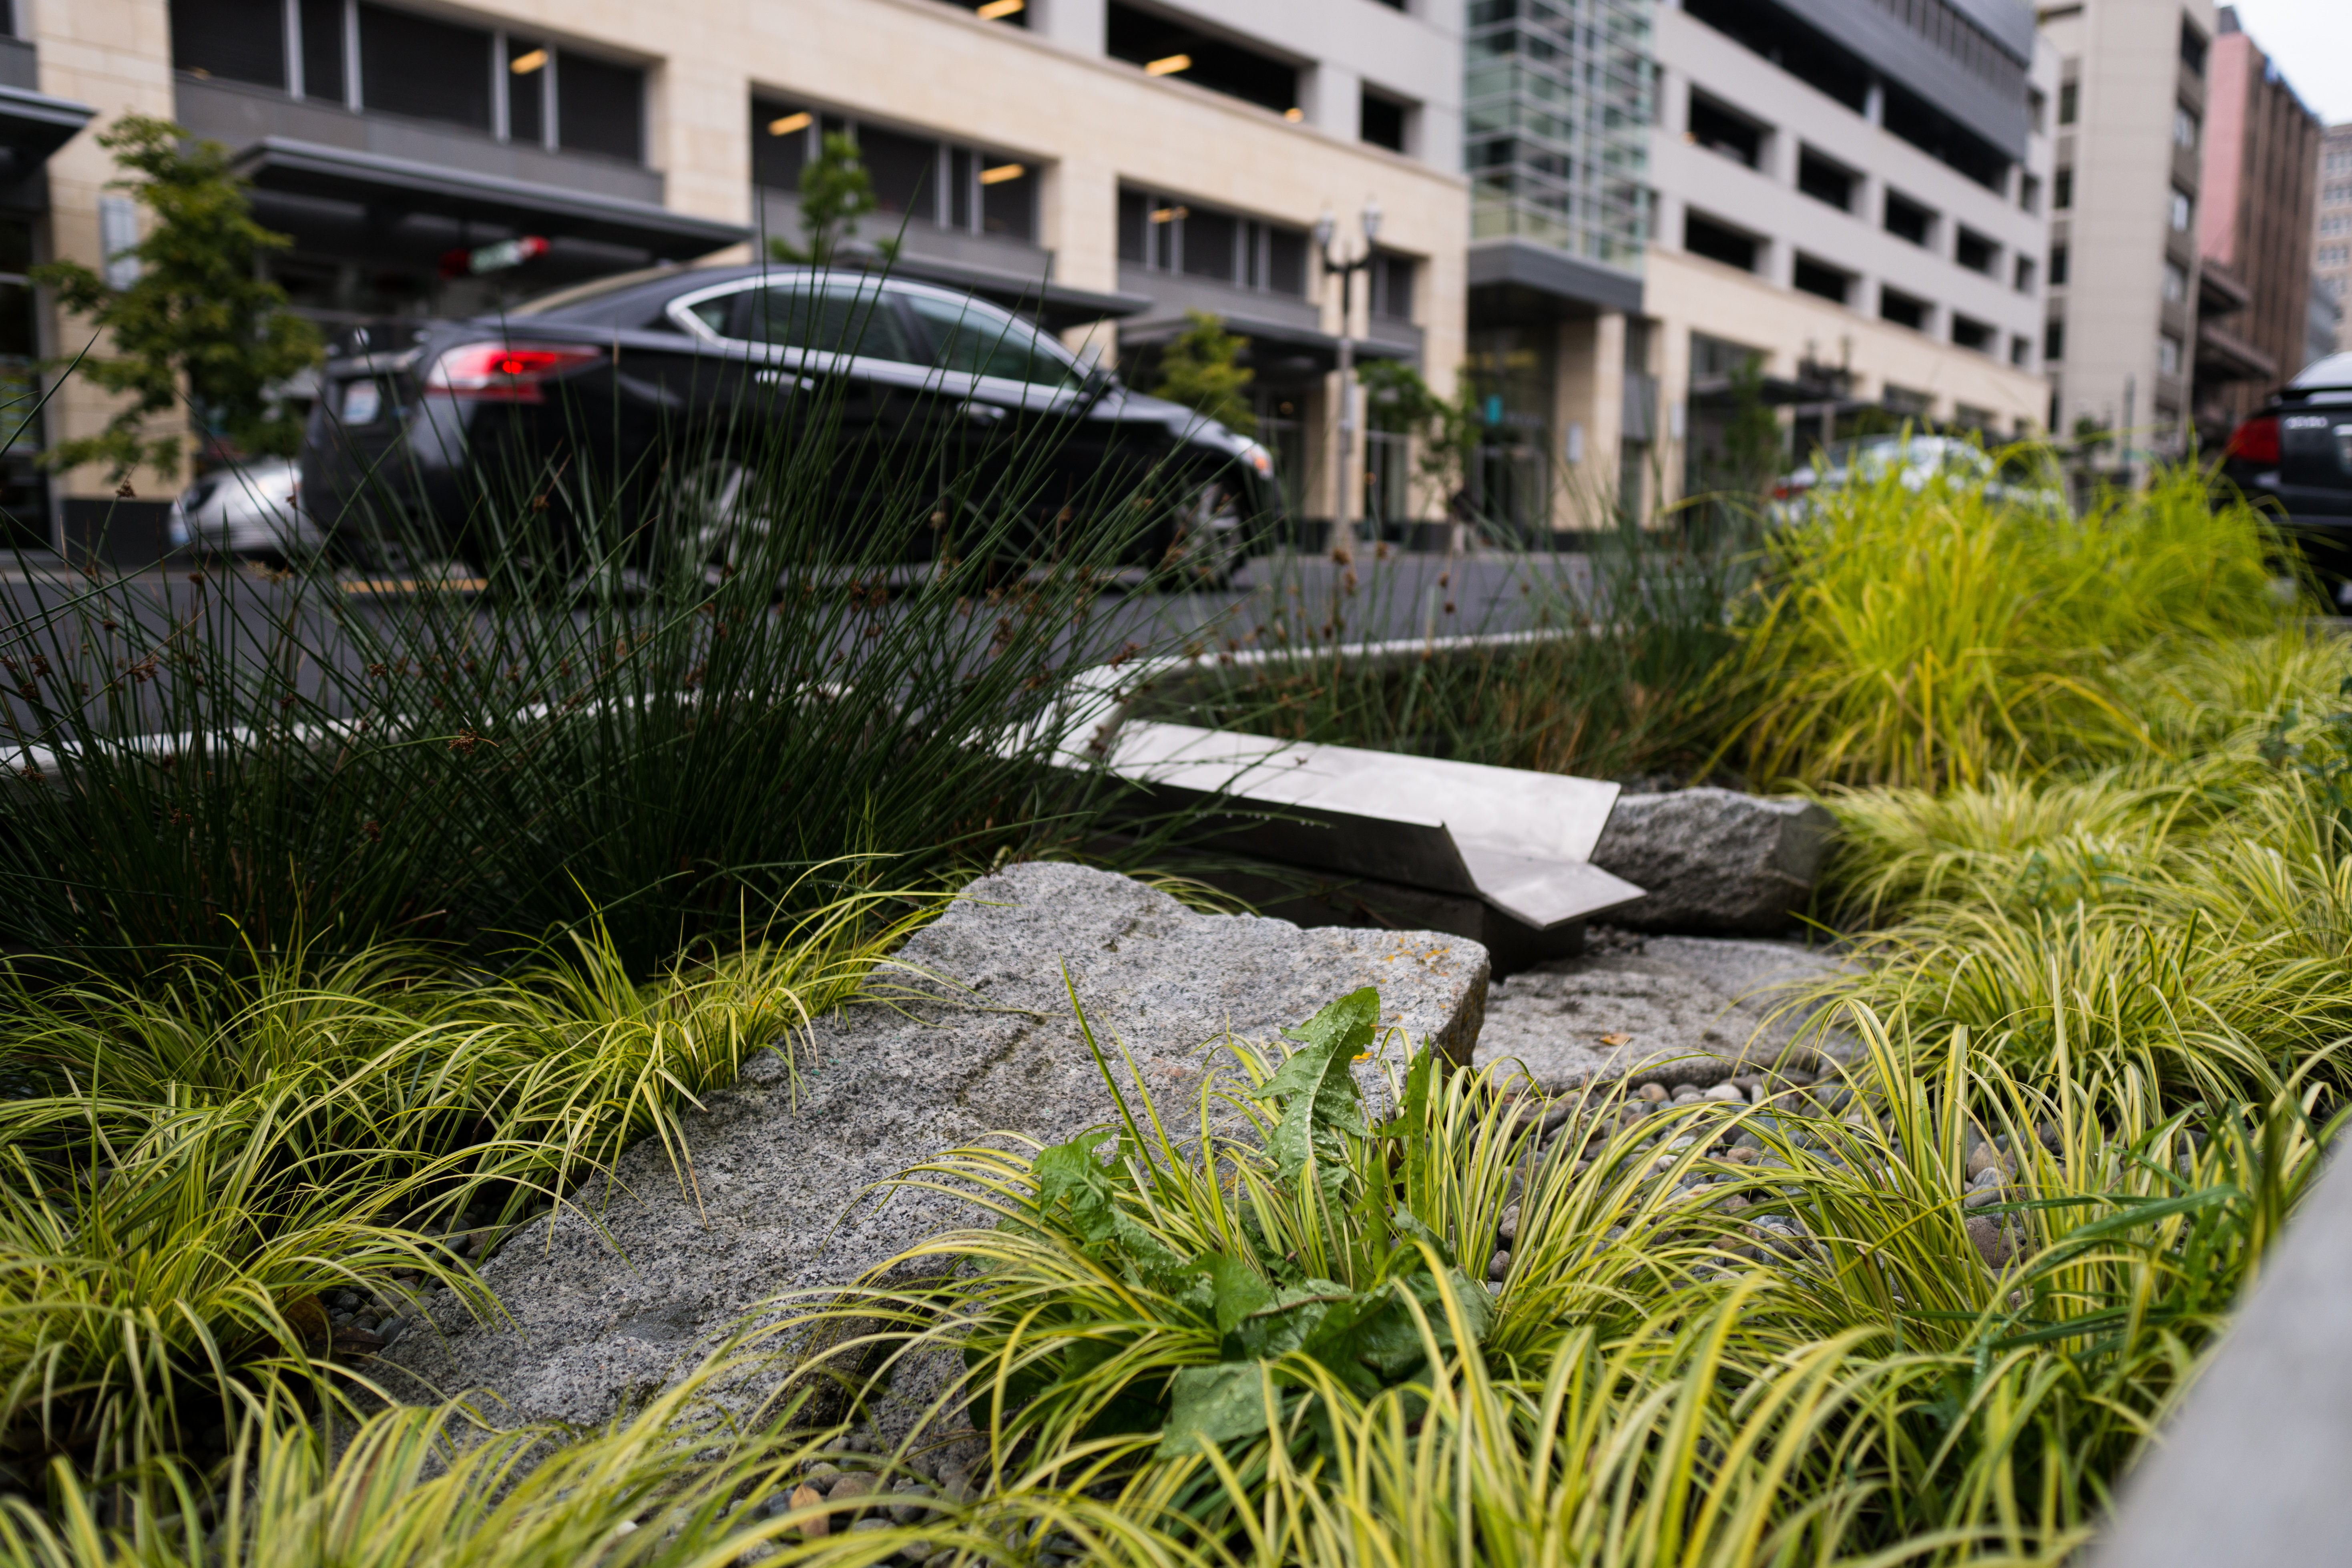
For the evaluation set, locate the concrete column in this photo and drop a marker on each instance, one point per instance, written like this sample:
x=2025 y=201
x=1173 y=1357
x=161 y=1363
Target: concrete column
x=1333 y=98
x=1077 y=25
x=1591 y=400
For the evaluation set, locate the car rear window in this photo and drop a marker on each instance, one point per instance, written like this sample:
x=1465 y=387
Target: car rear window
x=830 y=319
x=970 y=337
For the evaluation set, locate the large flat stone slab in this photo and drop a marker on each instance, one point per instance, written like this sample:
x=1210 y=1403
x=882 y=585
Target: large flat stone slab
x=1696 y=1008
x=608 y=1307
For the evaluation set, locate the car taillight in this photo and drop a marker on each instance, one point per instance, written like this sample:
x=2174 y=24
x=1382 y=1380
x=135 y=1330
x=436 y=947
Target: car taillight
x=2257 y=440
x=514 y=372
x=1789 y=487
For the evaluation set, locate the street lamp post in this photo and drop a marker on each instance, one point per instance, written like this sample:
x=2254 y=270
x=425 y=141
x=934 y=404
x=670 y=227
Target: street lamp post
x=1327 y=229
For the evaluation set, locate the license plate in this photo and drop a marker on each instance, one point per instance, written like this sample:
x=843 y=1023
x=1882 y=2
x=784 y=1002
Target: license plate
x=363 y=402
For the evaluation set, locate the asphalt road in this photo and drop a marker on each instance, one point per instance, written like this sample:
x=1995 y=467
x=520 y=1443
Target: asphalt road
x=53 y=613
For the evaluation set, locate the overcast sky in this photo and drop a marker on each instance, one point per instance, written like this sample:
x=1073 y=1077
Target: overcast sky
x=2311 y=40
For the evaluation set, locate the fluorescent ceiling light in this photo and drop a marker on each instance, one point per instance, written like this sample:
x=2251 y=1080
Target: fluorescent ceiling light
x=1168 y=65
x=1001 y=173
x=523 y=65
x=996 y=9
x=789 y=124
x=1294 y=113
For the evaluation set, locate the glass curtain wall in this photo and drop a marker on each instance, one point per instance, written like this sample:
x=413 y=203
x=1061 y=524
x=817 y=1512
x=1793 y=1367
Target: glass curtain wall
x=1558 y=103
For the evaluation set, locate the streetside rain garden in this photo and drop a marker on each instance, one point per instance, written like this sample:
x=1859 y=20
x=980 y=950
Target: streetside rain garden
x=351 y=940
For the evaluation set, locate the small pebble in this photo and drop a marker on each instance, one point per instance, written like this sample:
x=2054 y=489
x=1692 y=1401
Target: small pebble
x=1498 y=1267
x=1725 y=1092
x=1653 y=1092
x=1507 y=1231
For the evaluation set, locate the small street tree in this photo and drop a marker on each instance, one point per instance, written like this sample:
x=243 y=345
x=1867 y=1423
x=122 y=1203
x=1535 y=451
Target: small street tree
x=1445 y=431
x=835 y=192
x=1197 y=370
x=200 y=323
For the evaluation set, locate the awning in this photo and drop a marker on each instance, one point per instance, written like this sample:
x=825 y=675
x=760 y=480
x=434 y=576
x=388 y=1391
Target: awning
x=33 y=125
x=1053 y=306
x=395 y=186
x=1514 y=279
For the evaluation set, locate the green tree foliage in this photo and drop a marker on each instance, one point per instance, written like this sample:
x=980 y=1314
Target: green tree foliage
x=1197 y=370
x=200 y=321
x=835 y=192
x=1445 y=430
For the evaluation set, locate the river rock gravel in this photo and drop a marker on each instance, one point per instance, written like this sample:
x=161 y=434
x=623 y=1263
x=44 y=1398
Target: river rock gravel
x=613 y=1299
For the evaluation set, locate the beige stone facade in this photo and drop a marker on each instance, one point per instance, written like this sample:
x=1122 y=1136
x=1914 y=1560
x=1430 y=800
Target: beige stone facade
x=1084 y=125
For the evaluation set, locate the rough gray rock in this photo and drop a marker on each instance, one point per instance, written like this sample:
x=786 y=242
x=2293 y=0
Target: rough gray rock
x=608 y=1307
x=1695 y=1008
x=1714 y=860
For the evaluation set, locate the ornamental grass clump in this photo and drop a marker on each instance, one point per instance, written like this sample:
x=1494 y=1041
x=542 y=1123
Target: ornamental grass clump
x=1931 y=635
x=192 y=1169
x=1924 y=1310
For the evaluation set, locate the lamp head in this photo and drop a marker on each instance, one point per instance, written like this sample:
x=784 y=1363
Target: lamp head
x=1324 y=226
x=1371 y=220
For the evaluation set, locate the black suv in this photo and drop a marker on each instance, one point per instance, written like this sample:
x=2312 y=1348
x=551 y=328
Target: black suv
x=681 y=378
x=2296 y=453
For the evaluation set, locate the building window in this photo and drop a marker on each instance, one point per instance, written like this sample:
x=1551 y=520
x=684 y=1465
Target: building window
x=1382 y=121
x=2020 y=352
x=418 y=66
x=1824 y=181
x=1906 y=220
x=2182 y=209
x=1721 y=130
x=1903 y=401
x=236 y=40
x=599 y=106
x=1901 y=309
x=1164 y=47
x=1820 y=278
x=2192 y=50
x=2184 y=127
x=2023 y=279
x=2059 y=258
x=2037 y=109
x=423 y=66
x=953 y=185
x=1012 y=13
x=2167 y=354
x=2062 y=190
x=1976 y=253
x=1718 y=242
x=1968 y=333
x=2070 y=101
x=1390 y=286
x=2176 y=283
x=2053 y=341
x=2029 y=194
x=320 y=47
x=1161 y=233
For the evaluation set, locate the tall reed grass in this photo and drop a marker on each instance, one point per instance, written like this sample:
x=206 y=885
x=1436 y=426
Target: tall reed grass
x=1602 y=667
x=587 y=701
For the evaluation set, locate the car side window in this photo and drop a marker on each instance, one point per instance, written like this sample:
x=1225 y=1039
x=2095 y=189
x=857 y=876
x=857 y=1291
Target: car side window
x=829 y=318
x=969 y=337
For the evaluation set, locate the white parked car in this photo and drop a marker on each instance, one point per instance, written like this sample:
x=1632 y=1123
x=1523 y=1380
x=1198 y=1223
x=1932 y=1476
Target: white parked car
x=253 y=509
x=1917 y=461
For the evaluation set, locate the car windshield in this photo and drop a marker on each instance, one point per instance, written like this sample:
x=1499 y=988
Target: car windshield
x=970 y=337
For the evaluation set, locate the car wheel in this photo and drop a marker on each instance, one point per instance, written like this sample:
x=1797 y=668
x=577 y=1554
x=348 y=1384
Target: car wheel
x=1209 y=544
x=718 y=516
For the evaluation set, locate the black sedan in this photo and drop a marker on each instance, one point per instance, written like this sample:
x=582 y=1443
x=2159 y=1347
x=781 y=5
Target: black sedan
x=683 y=402
x=2296 y=455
